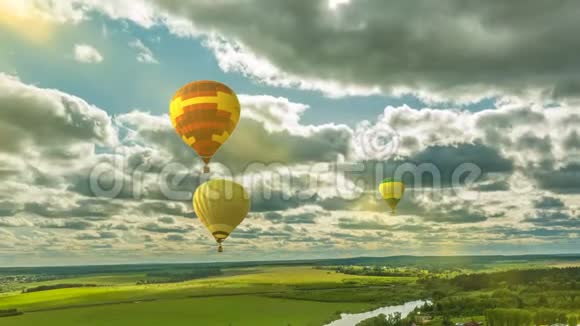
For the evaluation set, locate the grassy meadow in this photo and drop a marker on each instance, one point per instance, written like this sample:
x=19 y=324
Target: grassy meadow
x=304 y=293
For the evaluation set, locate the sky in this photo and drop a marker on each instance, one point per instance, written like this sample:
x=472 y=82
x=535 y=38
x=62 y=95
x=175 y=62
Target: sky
x=473 y=104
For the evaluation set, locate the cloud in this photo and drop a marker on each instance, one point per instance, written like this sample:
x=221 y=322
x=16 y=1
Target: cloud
x=273 y=217
x=547 y=202
x=432 y=205
x=264 y=125
x=365 y=224
x=166 y=220
x=275 y=113
x=561 y=219
x=500 y=185
x=321 y=144
x=572 y=141
x=175 y=237
x=88 y=208
x=46 y=178
x=76 y=224
x=144 y=54
x=474 y=45
x=14 y=222
x=301 y=218
x=96 y=235
x=164 y=228
x=87 y=54
x=563 y=180
x=259 y=232
x=306 y=217
x=49 y=123
x=152 y=208
x=7 y=208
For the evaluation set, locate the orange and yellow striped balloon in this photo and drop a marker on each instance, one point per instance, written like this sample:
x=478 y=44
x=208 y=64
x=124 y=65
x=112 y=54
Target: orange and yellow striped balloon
x=204 y=113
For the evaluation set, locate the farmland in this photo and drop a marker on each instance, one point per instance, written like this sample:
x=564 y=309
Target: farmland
x=283 y=293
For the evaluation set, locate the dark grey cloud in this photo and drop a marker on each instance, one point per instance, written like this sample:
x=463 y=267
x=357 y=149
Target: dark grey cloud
x=276 y=233
x=354 y=224
x=547 y=202
x=457 y=216
x=509 y=232
x=437 y=163
x=101 y=246
x=546 y=218
x=276 y=201
x=530 y=141
x=493 y=186
x=175 y=237
x=164 y=228
x=7 y=208
x=80 y=182
x=273 y=217
x=572 y=141
x=456 y=211
x=295 y=218
x=450 y=47
x=497 y=215
x=448 y=158
x=114 y=226
x=302 y=218
x=255 y=232
x=48 y=121
x=92 y=208
x=565 y=180
x=68 y=224
x=364 y=238
x=497 y=125
x=166 y=220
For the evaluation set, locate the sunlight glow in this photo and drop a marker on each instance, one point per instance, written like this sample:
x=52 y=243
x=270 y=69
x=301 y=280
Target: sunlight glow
x=27 y=20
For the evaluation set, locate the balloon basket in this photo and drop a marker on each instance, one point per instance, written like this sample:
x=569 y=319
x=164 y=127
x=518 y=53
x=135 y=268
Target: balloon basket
x=220 y=248
x=206 y=169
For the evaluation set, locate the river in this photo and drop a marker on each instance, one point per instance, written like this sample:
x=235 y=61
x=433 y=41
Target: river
x=353 y=319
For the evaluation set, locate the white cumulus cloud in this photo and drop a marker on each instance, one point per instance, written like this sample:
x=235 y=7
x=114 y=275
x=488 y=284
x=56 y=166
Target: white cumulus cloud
x=87 y=54
x=144 y=54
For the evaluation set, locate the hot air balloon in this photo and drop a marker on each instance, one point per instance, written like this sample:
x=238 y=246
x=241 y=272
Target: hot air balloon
x=221 y=205
x=392 y=192
x=204 y=113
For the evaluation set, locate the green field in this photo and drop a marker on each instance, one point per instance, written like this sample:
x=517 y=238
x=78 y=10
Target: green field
x=271 y=295
x=237 y=299
x=236 y=310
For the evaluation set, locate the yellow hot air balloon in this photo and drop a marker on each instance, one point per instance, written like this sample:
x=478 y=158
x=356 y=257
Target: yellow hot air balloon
x=392 y=192
x=204 y=113
x=221 y=205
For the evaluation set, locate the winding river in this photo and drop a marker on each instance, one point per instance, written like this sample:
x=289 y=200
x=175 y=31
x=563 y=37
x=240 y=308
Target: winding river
x=353 y=319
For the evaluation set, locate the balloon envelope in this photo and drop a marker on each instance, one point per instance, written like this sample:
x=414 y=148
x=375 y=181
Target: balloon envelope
x=392 y=192
x=204 y=113
x=221 y=205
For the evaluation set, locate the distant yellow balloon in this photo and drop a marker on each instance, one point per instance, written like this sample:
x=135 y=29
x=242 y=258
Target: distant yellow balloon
x=392 y=192
x=221 y=205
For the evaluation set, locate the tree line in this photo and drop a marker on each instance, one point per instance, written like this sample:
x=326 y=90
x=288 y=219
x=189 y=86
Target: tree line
x=521 y=317
x=57 y=286
x=171 y=277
